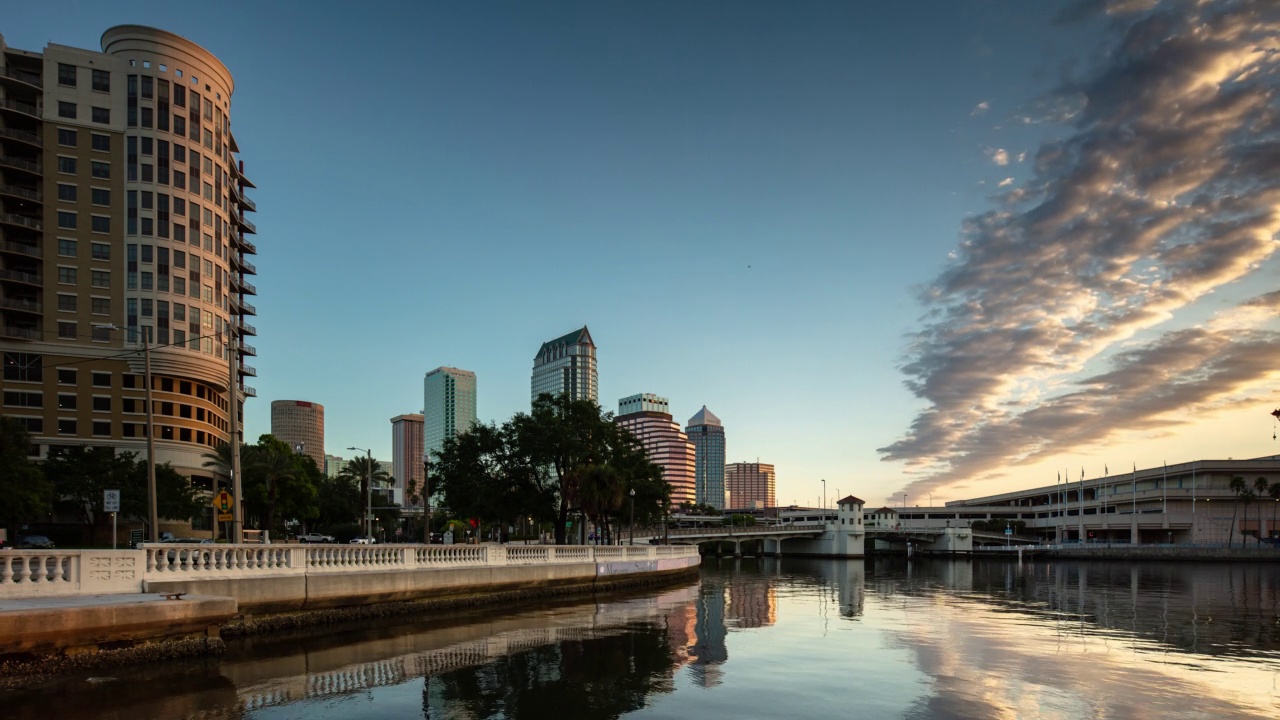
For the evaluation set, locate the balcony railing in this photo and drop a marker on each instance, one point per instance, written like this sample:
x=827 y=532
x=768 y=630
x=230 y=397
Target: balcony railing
x=24 y=136
x=248 y=370
x=247 y=349
x=21 y=107
x=248 y=391
x=6 y=161
x=29 y=250
x=17 y=276
x=20 y=333
x=248 y=288
x=249 y=268
x=21 y=220
x=30 y=306
x=31 y=79
x=24 y=193
x=247 y=329
x=249 y=248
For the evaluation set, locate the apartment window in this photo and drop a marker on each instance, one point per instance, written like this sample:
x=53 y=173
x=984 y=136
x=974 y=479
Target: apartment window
x=179 y=206
x=208 y=139
x=66 y=248
x=102 y=81
x=179 y=123
x=147 y=114
x=162 y=106
x=66 y=275
x=100 y=251
x=101 y=223
x=208 y=220
x=15 y=398
x=179 y=180
x=101 y=404
x=147 y=87
x=67 y=137
x=66 y=110
x=162 y=163
x=67 y=165
x=66 y=303
x=131 y=158
x=66 y=331
x=66 y=193
x=100 y=334
x=131 y=213
x=99 y=279
x=100 y=196
x=179 y=97
x=147 y=283
x=208 y=193
x=23 y=367
x=148 y=251
x=101 y=115
x=100 y=305
x=147 y=175
x=66 y=220
x=101 y=142
x=148 y=146
x=101 y=170
x=102 y=428
x=66 y=427
x=66 y=74
x=132 y=86
x=102 y=379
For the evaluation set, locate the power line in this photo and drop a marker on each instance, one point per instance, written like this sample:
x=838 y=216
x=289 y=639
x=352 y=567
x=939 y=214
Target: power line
x=124 y=354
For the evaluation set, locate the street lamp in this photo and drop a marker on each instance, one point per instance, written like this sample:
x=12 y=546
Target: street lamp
x=426 y=496
x=632 y=540
x=152 y=514
x=368 y=493
x=824 y=499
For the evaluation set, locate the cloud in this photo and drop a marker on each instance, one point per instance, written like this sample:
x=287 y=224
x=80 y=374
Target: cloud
x=980 y=108
x=1165 y=187
x=1005 y=182
x=999 y=156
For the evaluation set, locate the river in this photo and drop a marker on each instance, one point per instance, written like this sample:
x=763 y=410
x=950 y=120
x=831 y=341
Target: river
x=761 y=638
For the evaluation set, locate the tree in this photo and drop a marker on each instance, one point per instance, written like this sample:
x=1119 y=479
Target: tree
x=27 y=495
x=79 y=475
x=364 y=471
x=1273 y=491
x=1236 y=486
x=482 y=474
x=1260 y=489
x=275 y=481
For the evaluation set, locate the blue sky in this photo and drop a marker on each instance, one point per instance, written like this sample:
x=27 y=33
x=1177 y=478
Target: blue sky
x=743 y=200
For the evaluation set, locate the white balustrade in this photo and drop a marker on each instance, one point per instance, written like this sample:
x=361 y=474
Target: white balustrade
x=39 y=573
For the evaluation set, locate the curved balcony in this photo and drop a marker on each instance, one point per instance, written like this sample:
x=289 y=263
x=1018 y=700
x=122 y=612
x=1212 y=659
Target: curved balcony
x=20 y=108
x=242 y=307
x=28 y=79
x=246 y=247
x=19 y=164
x=247 y=349
x=22 y=136
x=248 y=370
x=33 y=251
x=19 y=333
x=246 y=267
x=21 y=277
x=22 y=193
x=20 y=305
x=248 y=226
x=248 y=391
x=247 y=329
x=21 y=221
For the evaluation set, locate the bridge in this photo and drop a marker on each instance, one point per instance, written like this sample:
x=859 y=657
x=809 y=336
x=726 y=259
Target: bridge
x=896 y=538
x=739 y=535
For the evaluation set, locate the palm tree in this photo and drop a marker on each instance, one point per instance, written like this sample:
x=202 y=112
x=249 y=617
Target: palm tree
x=1274 y=493
x=1237 y=486
x=601 y=494
x=1246 y=497
x=273 y=466
x=1260 y=488
x=365 y=470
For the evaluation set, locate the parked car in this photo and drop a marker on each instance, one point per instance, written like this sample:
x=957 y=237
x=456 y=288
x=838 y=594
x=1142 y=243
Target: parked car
x=35 y=542
x=315 y=537
x=363 y=540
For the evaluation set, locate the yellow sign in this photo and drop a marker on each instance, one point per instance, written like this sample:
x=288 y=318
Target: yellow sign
x=222 y=501
x=226 y=517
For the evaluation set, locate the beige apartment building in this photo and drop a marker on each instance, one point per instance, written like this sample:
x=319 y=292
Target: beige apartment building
x=301 y=424
x=121 y=223
x=750 y=485
x=647 y=417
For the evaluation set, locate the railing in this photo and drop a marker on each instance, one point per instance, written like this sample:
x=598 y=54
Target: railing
x=23 y=135
x=20 y=276
x=247 y=349
x=19 y=304
x=21 y=107
x=27 y=573
x=26 y=77
x=727 y=530
x=23 y=249
x=248 y=391
x=212 y=559
x=10 y=331
x=248 y=370
x=249 y=247
x=21 y=164
x=247 y=329
x=16 y=191
x=23 y=220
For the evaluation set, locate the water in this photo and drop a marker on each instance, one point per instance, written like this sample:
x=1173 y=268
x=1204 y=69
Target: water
x=763 y=639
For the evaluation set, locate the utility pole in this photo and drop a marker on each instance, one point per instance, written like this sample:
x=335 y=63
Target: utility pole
x=152 y=511
x=233 y=394
x=368 y=492
x=426 y=497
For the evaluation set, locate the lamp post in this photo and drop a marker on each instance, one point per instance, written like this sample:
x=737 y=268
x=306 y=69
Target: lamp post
x=426 y=497
x=368 y=492
x=824 y=499
x=152 y=513
x=632 y=539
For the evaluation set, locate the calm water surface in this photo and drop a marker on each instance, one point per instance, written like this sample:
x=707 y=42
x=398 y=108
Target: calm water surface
x=764 y=639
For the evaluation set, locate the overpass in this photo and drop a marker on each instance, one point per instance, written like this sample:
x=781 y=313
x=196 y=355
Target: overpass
x=765 y=534
x=896 y=538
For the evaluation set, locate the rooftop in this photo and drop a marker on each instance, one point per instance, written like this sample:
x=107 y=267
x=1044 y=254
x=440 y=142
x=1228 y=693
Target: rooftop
x=704 y=417
x=577 y=337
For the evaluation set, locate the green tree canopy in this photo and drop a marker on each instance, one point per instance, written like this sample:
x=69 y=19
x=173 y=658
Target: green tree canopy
x=79 y=474
x=27 y=495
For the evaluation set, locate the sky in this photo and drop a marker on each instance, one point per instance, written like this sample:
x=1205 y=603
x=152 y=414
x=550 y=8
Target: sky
x=940 y=248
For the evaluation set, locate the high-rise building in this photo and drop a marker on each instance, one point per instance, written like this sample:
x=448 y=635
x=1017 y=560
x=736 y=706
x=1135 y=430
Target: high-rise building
x=707 y=434
x=448 y=406
x=301 y=424
x=567 y=366
x=406 y=452
x=750 y=485
x=665 y=444
x=333 y=465
x=122 y=222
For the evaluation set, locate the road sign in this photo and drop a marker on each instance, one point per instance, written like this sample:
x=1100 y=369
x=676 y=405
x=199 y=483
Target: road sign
x=1008 y=531
x=111 y=501
x=222 y=502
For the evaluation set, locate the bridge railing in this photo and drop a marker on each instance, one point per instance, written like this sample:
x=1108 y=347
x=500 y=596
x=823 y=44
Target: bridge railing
x=727 y=530
x=51 y=573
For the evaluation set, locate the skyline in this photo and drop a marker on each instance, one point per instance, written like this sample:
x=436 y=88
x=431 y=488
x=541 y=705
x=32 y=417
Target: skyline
x=756 y=195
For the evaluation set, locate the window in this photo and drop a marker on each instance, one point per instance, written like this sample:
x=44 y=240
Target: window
x=179 y=123
x=100 y=279
x=179 y=153
x=147 y=250
x=101 y=170
x=66 y=75
x=100 y=115
x=147 y=175
x=102 y=404
x=131 y=158
x=101 y=223
x=147 y=283
x=66 y=110
x=67 y=165
x=101 y=142
x=148 y=146
x=101 y=251
x=102 y=81
x=101 y=196
x=66 y=427
x=100 y=334
x=208 y=193
x=147 y=114
x=23 y=367
x=100 y=305
x=102 y=428
x=66 y=275
x=66 y=402
x=208 y=139
x=101 y=379
x=66 y=303
x=66 y=248
x=179 y=179
x=66 y=376
x=179 y=96
x=147 y=86
x=66 y=193
x=23 y=399
x=66 y=220
x=66 y=137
